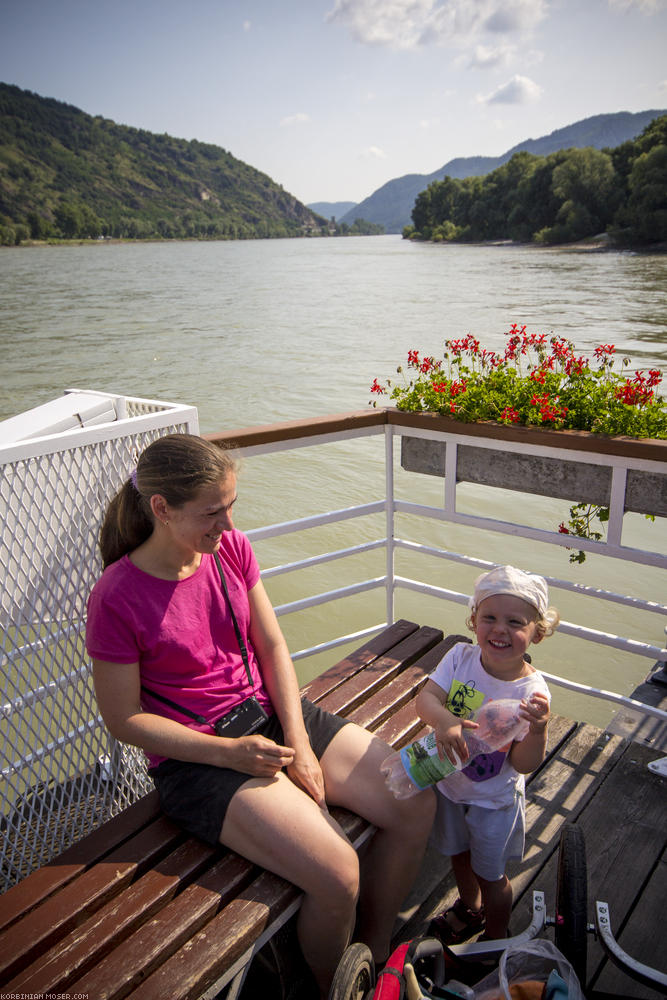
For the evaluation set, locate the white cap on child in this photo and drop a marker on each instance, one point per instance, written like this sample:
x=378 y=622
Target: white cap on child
x=509 y=580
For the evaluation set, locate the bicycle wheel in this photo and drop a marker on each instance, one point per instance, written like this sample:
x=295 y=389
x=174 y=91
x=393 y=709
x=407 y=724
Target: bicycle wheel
x=354 y=978
x=572 y=900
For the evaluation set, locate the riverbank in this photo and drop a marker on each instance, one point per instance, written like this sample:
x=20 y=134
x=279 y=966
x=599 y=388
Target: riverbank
x=602 y=243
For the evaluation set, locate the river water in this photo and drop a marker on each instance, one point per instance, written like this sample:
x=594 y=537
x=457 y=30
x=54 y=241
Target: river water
x=262 y=331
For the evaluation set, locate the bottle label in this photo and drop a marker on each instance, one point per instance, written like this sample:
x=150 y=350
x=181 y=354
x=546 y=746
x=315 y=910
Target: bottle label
x=422 y=764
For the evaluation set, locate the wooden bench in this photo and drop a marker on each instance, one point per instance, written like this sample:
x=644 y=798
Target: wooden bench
x=138 y=909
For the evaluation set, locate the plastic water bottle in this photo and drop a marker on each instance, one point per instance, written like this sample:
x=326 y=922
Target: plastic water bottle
x=415 y=767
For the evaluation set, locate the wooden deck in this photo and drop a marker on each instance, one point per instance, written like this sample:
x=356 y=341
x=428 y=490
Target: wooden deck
x=138 y=910
x=600 y=782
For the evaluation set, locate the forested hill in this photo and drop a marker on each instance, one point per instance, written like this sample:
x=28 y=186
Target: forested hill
x=564 y=197
x=391 y=205
x=66 y=173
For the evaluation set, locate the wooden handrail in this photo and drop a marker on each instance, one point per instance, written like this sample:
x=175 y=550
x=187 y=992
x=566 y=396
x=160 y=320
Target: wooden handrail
x=651 y=449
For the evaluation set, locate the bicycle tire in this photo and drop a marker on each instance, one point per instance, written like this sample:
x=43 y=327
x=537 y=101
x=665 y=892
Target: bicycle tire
x=571 y=933
x=354 y=978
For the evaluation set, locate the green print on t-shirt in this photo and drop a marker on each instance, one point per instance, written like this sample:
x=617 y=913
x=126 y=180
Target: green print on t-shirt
x=463 y=700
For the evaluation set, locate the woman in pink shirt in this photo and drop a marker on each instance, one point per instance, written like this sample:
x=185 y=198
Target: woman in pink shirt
x=182 y=634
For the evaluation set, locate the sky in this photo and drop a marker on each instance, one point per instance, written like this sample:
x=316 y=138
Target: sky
x=333 y=98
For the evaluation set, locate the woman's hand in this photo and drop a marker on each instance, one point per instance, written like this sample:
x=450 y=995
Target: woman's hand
x=306 y=773
x=451 y=742
x=255 y=755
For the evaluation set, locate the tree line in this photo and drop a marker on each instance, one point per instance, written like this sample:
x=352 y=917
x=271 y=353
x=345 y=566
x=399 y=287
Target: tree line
x=560 y=198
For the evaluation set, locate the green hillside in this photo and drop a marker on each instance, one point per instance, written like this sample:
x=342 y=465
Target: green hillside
x=64 y=173
x=391 y=205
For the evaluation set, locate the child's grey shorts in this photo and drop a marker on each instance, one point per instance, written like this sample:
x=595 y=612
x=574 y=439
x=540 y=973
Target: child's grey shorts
x=492 y=836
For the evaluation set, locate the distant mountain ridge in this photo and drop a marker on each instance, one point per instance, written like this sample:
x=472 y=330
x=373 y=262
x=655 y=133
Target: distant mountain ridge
x=391 y=205
x=329 y=209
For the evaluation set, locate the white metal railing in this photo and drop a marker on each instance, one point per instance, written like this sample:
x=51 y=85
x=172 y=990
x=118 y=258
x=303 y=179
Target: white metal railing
x=62 y=773
x=391 y=506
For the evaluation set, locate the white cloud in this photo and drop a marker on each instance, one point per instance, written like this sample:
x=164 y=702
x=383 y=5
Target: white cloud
x=408 y=24
x=373 y=153
x=518 y=90
x=645 y=6
x=489 y=57
x=298 y=119
x=662 y=85
x=247 y=25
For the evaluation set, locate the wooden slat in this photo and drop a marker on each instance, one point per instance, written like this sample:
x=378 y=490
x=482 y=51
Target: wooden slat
x=230 y=934
x=64 y=910
x=350 y=695
x=346 y=668
x=40 y=884
x=217 y=946
x=383 y=705
x=77 y=951
x=175 y=924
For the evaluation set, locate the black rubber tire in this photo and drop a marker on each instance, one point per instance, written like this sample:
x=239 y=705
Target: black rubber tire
x=354 y=978
x=571 y=933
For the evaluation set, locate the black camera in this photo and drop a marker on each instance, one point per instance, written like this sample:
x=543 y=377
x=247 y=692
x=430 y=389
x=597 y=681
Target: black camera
x=243 y=720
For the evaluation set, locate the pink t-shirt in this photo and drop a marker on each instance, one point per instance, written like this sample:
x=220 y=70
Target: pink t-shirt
x=180 y=632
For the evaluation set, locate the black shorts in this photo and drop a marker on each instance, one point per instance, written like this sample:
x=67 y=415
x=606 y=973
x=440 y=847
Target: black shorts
x=196 y=796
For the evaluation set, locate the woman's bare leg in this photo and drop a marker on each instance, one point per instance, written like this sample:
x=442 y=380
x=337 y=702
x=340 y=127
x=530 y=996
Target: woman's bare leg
x=351 y=767
x=276 y=825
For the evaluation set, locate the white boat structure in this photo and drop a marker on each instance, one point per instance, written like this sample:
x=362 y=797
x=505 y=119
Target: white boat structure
x=63 y=776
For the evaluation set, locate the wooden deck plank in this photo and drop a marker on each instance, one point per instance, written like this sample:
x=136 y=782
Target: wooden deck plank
x=642 y=937
x=625 y=834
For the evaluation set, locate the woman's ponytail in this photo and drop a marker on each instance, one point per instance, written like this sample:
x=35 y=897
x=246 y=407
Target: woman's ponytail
x=127 y=524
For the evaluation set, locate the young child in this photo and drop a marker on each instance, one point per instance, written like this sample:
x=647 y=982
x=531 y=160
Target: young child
x=480 y=819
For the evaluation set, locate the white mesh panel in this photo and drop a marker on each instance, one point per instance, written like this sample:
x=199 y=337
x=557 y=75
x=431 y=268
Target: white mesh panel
x=63 y=775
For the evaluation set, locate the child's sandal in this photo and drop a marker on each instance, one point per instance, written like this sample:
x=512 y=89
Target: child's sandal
x=472 y=921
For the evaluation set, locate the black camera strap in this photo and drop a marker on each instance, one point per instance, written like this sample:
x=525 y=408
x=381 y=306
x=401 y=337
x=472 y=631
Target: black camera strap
x=242 y=647
x=237 y=630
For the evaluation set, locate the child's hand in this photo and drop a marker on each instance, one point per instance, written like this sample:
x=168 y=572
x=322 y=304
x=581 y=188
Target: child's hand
x=536 y=710
x=451 y=742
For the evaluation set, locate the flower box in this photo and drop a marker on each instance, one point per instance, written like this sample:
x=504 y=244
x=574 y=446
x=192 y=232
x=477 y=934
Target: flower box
x=576 y=479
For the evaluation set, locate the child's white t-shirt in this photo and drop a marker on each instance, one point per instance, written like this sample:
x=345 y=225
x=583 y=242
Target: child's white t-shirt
x=489 y=780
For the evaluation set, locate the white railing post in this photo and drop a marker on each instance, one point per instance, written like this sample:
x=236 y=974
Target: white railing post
x=619 y=476
x=389 y=518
